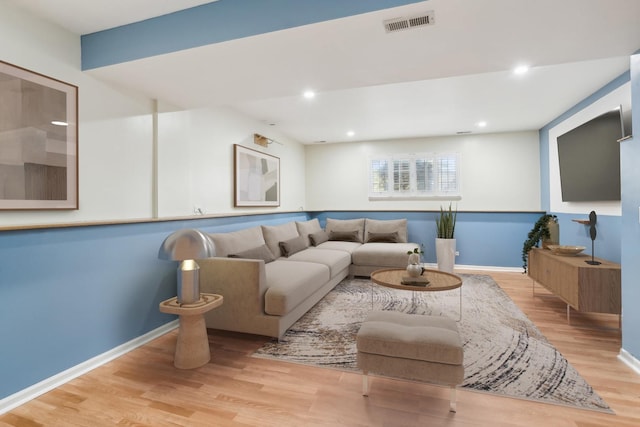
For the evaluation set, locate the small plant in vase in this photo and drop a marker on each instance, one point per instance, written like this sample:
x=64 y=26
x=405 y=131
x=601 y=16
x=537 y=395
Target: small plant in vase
x=415 y=255
x=415 y=269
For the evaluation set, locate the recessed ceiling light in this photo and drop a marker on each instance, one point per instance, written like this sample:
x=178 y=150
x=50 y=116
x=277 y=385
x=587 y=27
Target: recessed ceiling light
x=481 y=124
x=520 y=70
x=309 y=94
x=59 y=123
x=351 y=133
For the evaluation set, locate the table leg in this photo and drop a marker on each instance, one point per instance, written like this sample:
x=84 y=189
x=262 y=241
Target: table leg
x=372 y=296
x=460 y=317
x=192 y=348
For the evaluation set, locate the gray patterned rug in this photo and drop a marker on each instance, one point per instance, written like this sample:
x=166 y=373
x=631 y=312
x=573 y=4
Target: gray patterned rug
x=504 y=353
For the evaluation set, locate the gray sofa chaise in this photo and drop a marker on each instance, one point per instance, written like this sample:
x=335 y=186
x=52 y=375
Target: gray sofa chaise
x=271 y=275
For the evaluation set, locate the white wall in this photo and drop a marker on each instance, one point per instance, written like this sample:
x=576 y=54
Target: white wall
x=619 y=96
x=115 y=132
x=116 y=135
x=500 y=172
x=195 y=164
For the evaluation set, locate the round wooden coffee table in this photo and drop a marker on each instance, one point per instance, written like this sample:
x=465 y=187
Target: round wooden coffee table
x=438 y=281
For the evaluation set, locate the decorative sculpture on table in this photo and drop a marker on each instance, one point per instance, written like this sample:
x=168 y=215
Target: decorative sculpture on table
x=592 y=233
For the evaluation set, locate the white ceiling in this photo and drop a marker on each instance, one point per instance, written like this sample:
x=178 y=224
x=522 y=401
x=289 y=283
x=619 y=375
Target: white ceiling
x=435 y=80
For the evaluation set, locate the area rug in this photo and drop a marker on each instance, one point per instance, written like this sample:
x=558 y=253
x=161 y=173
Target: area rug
x=504 y=353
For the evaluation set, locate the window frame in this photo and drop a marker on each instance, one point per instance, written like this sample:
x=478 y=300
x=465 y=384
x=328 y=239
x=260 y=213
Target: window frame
x=396 y=189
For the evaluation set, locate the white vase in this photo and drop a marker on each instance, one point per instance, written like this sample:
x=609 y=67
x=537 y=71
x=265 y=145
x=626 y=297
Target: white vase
x=446 y=254
x=414 y=270
x=414 y=258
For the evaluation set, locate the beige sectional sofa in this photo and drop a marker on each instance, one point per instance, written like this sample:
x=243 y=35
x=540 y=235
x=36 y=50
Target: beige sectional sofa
x=271 y=275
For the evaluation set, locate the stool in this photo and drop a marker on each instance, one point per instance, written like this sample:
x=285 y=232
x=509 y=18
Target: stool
x=413 y=347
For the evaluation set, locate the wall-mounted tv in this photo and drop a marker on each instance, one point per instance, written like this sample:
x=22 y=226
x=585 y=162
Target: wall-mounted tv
x=589 y=158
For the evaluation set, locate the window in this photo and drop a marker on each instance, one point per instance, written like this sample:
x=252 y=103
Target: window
x=414 y=176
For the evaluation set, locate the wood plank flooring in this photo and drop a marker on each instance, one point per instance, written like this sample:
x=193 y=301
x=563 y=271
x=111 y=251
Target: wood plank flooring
x=142 y=388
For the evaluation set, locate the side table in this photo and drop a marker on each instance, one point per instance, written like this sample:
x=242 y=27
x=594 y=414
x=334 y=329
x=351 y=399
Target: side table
x=192 y=348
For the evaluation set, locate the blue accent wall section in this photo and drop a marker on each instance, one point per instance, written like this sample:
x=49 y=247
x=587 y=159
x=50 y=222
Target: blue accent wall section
x=630 y=158
x=70 y=294
x=215 y=22
x=618 y=238
x=492 y=239
x=607 y=243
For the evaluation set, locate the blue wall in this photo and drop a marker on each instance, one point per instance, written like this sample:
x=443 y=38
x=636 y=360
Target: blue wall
x=607 y=243
x=630 y=159
x=618 y=238
x=70 y=294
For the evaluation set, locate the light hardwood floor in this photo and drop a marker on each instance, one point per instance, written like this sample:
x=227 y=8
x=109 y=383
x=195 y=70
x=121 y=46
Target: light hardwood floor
x=142 y=388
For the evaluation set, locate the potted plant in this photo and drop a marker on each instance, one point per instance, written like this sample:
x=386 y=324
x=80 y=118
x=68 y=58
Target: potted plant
x=541 y=231
x=445 y=241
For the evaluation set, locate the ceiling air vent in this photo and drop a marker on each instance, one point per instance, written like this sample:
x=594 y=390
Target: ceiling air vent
x=404 y=23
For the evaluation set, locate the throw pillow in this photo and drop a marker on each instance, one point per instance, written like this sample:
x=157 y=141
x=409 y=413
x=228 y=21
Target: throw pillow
x=291 y=246
x=347 y=225
x=261 y=252
x=345 y=236
x=274 y=234
x=383 y=237
x=386 y=226
x=318 y=237
x=308 y=227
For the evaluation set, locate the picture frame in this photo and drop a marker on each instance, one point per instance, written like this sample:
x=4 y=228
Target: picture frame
x=257 y=178
x=38 y=141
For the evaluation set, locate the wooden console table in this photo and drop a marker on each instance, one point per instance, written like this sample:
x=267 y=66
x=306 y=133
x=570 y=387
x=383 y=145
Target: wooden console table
x=585 y=287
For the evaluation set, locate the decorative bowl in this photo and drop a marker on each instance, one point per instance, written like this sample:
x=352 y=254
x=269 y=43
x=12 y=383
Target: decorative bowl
x=566 y=250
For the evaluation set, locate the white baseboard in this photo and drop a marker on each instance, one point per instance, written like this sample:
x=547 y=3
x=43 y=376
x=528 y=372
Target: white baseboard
x=629 y=360
x=29 y=393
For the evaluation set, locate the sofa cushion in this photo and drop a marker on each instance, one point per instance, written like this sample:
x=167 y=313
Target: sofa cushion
x=305 y=228
x=386 y=226
x=274 y=234
x=318 y=237
x=261 y=252
x=344 y=236
x=410 y=336
x=336 y=260
x=292 y=246
x=383 y=237
x=383 y=254
x=346 y=225
x=237 y=241
x=348 y=247
x=289 y=283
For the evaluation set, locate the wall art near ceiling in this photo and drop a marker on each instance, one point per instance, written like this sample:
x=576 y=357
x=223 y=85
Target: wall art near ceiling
x=38 y=141
x=257 y=178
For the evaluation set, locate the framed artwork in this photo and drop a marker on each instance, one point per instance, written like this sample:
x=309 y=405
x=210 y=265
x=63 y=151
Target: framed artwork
x=38 y=141
x=257 y=178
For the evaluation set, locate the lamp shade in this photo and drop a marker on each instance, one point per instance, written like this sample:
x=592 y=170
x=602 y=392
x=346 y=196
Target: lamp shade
x=185 y=244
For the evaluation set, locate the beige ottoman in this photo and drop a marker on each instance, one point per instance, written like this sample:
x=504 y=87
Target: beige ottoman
x=410 y=346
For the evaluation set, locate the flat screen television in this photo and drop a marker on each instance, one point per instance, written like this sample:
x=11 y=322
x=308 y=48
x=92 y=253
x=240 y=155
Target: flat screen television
x=589 y=158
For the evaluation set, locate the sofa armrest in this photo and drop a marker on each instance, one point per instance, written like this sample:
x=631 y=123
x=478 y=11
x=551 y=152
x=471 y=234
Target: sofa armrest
x=242 y=283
